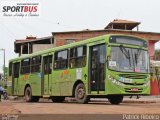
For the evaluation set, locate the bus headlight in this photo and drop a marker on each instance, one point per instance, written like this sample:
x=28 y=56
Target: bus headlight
x=110 y=77
x=115 y=81
x=146 y=84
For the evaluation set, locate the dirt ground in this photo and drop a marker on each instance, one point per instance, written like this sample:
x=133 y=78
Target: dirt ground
x=97 y=106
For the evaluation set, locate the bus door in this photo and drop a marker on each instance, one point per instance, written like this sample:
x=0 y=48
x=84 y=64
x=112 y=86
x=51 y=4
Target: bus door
x=97 y=65
x=46 y=72
x=15 y=78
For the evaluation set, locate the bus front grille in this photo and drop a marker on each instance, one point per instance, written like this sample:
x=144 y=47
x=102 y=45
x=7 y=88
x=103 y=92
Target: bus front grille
x=134 y=84
x=133 y=76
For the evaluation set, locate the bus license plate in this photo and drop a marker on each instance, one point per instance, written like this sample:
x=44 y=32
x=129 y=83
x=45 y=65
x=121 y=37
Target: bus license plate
x=134 y=89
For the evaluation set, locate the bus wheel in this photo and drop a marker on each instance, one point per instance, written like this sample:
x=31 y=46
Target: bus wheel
x=28 y=94
x=115 y=99
x=80 y=94
x=58 y=99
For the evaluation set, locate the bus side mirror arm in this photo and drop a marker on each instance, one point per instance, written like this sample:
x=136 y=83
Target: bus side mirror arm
x=108 y=58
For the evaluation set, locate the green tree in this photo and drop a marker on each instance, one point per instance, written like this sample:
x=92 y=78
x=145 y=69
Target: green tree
x=157 y=54
x=5 y=74
x=5 y=70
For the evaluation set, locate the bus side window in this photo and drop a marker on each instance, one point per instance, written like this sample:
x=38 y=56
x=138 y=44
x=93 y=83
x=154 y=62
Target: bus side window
x=35 y=64
x=72 y=61
x=50 y=64
x=25 y=66
x=16 y=70
x=61 y=59
x=77 y=57
x=10 y=69
x=81 y=56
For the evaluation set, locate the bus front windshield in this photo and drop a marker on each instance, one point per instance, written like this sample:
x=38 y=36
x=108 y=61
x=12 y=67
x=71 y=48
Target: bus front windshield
x=129 y=60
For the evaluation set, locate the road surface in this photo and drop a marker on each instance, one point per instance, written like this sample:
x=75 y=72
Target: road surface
x=102 y=106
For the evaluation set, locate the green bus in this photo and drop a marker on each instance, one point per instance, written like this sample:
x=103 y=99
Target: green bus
x=109 y=66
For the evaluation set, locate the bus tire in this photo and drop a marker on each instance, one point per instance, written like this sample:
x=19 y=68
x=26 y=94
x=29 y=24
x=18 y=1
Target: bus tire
x=28 y=94
x=115 y=99
x=80 y=94
x=58 y=99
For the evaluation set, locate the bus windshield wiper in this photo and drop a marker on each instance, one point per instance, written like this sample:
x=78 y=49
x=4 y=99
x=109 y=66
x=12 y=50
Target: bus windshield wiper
x=139 y=50
x=126 y=53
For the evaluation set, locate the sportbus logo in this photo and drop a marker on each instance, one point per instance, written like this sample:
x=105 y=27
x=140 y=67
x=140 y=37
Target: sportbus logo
x=19 y=9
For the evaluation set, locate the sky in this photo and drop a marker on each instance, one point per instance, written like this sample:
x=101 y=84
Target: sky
x=68 y=15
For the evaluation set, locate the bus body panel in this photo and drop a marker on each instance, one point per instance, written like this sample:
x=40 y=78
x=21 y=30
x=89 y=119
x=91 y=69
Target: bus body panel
x=35 y=83
x=15 y=78
x=97 y=77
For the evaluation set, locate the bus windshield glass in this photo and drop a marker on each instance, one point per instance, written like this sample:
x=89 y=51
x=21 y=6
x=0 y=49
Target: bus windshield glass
x=129 y=60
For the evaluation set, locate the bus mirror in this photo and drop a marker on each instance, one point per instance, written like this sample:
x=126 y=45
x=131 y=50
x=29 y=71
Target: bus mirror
x=108 y=58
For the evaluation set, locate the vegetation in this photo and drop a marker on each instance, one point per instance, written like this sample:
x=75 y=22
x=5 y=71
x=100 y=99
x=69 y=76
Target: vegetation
x=157 y=54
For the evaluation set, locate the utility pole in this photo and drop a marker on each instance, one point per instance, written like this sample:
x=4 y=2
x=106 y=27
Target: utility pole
x=4 y=60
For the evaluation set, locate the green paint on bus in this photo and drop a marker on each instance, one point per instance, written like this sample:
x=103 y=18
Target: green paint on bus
x=110 y=66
